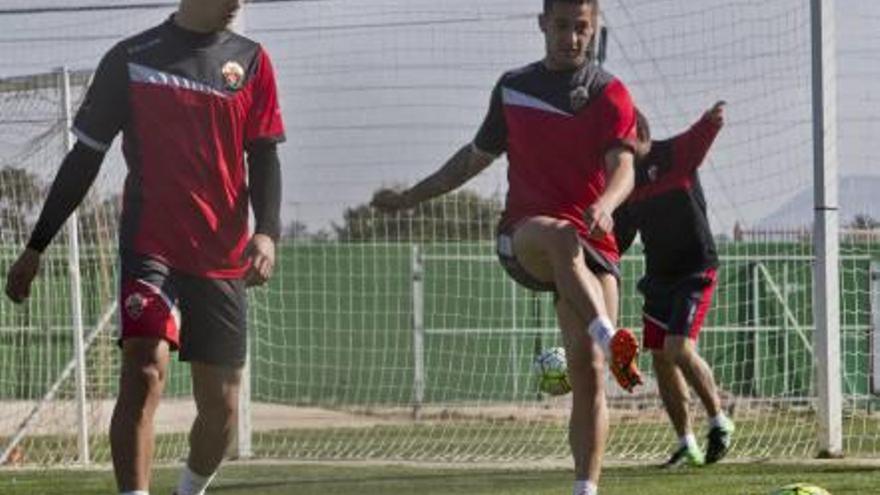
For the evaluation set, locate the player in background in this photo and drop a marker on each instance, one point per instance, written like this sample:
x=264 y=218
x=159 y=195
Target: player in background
x=668 y=209
x=568 y=129
x=191 y=99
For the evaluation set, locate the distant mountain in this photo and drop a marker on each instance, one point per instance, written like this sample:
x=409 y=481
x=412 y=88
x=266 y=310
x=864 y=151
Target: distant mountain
x=858 y=195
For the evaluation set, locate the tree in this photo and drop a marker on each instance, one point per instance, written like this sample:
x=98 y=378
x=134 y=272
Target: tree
x=460 y=216
x=296 y=231
x=864 y=221
x=299 y=231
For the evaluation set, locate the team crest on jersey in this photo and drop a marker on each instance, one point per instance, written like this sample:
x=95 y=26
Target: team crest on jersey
x=579 y=97
x=653 y=173
x=233 y=75
x=134 y=305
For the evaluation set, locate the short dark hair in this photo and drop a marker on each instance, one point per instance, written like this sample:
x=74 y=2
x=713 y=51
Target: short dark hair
x=548 y=4
x=643 y=130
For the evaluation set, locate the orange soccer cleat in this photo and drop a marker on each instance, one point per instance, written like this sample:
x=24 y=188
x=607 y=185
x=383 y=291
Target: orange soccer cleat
x=624 y=351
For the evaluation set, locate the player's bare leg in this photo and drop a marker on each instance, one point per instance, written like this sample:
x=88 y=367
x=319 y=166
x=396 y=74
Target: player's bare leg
x=611 y=295
x=216 y=392
x=550 y=250
x=674 y=393
x=696 y=371
x=588 y=424
x=142 y=379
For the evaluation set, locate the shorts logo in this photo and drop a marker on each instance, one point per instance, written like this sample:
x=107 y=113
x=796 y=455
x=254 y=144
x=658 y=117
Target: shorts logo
x=579 y=98
x=134 y=305
x=233 y=75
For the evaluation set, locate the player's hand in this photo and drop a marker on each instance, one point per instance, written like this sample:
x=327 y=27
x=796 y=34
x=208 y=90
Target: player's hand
x=260 y=252
x=21 y=275
x=391 y=200
x=716 y=113
x=599 y=220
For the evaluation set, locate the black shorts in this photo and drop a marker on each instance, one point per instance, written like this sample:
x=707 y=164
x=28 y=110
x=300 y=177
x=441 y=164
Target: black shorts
x=205 y=318
x=596 y=263
x=676 y=307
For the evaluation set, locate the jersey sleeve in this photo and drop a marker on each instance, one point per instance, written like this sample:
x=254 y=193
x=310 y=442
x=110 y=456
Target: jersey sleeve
x=105 y=109
x=690 y=148
x=621 y=117
x=492 y=136
x=264 y=122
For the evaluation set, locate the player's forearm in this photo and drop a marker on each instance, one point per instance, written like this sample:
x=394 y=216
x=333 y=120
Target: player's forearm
x=464 y=164
x=76 y=175
x=264 y=182
x=620 y=173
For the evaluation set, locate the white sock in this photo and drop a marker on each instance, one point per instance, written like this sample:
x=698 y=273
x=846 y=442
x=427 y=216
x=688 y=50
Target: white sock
x=136 y=492
x=719 y=421
x=601 y=331
x=191 y=483
x=585 y=487
x=688 y=440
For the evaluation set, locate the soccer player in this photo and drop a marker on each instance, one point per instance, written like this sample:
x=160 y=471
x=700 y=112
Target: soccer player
x=668 y=208
x=568 y=129
x=191 y=98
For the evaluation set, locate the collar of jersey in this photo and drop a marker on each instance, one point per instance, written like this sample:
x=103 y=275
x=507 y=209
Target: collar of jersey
x=194 y=38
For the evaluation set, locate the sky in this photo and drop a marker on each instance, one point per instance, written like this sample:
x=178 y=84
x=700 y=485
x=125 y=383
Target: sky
x=382 y=92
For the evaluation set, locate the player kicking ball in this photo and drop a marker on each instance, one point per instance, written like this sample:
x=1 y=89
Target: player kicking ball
x=568 y=129
x=668 y=208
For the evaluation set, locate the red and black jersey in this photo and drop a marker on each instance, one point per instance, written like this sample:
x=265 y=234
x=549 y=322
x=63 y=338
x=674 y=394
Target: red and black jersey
x=668 y=207
x=556 y=127
x=188 y=105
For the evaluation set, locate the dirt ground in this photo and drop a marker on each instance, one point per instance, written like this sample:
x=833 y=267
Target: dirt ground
x=176 y=415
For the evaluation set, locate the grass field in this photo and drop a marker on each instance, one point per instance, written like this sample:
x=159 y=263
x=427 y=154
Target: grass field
x=355 y=479
x=642 y=438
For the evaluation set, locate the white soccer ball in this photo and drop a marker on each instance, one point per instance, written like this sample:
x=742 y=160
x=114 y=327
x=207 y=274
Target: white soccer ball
x=551 y=371
x=800 y=489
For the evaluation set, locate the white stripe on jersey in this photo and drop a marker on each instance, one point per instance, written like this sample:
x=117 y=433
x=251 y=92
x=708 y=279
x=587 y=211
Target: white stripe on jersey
x=148 y=75
x=519 y=99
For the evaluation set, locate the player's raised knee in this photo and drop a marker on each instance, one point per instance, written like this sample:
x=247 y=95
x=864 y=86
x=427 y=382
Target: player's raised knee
x=563 y=240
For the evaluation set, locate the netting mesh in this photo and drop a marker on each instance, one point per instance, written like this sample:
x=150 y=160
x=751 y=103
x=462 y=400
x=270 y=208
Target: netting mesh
x=400 y=337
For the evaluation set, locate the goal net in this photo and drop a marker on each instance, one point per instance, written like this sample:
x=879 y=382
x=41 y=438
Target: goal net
x=399 y=337
x=41 y=415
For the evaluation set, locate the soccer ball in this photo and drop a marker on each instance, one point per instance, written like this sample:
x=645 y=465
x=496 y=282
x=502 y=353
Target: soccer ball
x=551 y=371
x=800 y=489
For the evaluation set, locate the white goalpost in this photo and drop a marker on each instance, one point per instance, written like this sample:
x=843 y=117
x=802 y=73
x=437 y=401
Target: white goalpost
x=827 y=225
